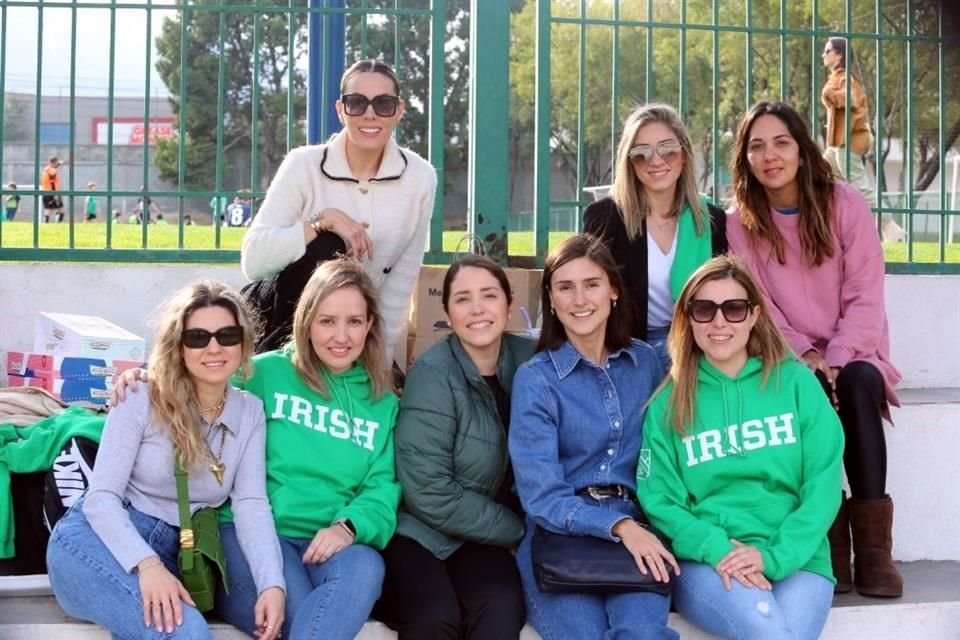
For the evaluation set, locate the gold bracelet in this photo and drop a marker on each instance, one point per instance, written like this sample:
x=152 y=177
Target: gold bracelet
x=156 y=563
x=347 y=528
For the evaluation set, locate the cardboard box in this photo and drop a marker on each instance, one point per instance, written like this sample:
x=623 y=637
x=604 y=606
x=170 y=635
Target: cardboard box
x=93 y=392
x=66 y=367
x=85 y=336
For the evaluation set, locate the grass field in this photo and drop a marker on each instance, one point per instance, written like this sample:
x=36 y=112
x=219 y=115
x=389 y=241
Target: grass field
x=125 y=236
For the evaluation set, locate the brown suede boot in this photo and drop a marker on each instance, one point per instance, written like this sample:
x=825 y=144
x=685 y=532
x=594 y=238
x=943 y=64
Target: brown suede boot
x=839 y=536
x=871 y=522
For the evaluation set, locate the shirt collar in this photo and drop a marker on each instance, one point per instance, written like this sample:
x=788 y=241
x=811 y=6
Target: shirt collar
x=232 y=415
x=335 y=167
x=565 y=358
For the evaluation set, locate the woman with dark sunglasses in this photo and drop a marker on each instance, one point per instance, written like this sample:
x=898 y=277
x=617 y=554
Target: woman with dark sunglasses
x=655 y=223
x=359 y=194
x=812 y=244
x=112 y=558
x=740 y=465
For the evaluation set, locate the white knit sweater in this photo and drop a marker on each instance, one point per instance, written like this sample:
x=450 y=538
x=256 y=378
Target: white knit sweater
x=397 y=204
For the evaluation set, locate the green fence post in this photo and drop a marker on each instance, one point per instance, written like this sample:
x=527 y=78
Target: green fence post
x=488 y=178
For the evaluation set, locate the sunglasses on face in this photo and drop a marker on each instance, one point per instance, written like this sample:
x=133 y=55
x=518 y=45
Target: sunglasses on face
x=735 y=310
x=200 y=338
x=668 y=151
x=355 y=104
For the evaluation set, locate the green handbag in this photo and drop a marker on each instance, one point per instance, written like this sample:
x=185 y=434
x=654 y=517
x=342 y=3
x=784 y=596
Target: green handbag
x=201 y=553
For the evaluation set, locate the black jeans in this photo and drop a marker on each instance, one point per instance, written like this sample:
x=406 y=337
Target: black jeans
x=475 y=594
x=275 y=299
x=860 y=394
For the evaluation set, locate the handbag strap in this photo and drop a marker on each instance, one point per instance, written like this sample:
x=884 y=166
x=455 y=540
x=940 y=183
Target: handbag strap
x=183 y=505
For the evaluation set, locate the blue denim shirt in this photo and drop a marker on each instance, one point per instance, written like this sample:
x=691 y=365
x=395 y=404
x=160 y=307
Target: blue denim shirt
x=575 y=424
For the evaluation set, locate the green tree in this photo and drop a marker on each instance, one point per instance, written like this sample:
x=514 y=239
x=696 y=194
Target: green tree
x=196 y=112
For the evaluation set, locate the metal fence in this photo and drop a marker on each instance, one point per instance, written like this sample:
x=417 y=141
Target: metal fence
x=546 y=86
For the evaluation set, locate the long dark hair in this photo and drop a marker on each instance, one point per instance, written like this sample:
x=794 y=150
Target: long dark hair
x=815 y=186
x=840 y=46
x=553 y=333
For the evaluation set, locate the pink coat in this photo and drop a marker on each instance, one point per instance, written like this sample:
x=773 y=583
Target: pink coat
x=836 y=308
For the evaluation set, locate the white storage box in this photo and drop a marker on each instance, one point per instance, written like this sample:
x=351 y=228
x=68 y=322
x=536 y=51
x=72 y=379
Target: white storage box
x=86 y=336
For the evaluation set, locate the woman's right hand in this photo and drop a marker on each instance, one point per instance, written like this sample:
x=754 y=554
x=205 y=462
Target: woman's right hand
x=126 y=380
x=646 y=549
x=161 y=593
x=359 y=243
x=815 y=362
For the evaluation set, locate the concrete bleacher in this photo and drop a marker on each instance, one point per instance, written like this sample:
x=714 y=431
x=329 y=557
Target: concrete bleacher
x=923 y=446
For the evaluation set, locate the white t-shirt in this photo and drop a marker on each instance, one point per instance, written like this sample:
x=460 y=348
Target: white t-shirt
x=659 y=299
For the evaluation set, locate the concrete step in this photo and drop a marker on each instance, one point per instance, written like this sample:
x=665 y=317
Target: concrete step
x=922 y=452
x=929 y=609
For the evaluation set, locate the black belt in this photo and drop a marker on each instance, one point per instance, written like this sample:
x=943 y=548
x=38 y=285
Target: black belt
x=599 y=492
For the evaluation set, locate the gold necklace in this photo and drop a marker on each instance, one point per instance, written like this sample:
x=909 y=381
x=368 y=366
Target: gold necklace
x=217 y=466
x=662 y=225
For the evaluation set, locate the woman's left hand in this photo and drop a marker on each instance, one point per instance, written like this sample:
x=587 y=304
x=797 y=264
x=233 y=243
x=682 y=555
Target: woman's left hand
x=327 y=542
x=743 y=559
x=268 y=613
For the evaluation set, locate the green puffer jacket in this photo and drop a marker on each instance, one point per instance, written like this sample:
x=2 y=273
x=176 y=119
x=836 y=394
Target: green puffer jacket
x=452 y=449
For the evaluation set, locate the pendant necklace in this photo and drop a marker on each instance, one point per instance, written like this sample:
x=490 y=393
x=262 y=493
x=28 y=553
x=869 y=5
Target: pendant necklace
x=217 y=466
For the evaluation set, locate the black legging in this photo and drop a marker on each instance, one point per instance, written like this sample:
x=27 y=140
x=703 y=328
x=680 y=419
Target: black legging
x=475 y=594
x=860 y=393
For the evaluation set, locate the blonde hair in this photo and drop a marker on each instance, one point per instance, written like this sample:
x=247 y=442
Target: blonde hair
x=765 y=342
x=330 y=276
x=627 y=191
x=173 y=395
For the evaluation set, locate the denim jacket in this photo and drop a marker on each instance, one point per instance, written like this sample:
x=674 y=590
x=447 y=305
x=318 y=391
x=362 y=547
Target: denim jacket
x=576 y=424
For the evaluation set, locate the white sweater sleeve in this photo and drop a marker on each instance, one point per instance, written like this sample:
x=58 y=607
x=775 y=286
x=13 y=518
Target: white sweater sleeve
x=398 y=285
x=276 y=237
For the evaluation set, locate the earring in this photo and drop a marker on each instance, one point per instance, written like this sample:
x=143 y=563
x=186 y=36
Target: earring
x=552 y=311
x=614 y=303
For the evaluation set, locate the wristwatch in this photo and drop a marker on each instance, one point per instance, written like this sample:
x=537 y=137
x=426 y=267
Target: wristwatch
x=318 y=224
x=348 y=525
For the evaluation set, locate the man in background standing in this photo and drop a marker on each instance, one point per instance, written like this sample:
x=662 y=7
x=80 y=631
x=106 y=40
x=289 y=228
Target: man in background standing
x=50 y=181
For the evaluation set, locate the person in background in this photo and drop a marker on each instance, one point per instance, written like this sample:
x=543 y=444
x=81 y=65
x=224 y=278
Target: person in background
x=359 y=193
x=117 y=216
x=112 y=558
x=741 y=423
x=144 y=206
x=12 y=202
x=810 y=242
x=90 y=205
x=50 y=181
x=187 y=220
x=576 y=424
x=217 y=206
x=655 y=223
x=460 y=519
x=238 y=213
x=833 y=97
x=160 y=220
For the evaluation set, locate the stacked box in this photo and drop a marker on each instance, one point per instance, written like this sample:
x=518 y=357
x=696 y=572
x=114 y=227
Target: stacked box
x=89 y=392
x=67 y=334
x=60 y=367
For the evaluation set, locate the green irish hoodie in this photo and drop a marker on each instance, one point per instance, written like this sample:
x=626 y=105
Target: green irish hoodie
x=760 y=463
x=327 y=459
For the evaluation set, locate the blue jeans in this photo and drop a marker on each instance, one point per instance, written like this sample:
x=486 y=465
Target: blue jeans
x=574 y=616
x=797 y=608
x=91 y=585
x=657 y=338
x=329 y=601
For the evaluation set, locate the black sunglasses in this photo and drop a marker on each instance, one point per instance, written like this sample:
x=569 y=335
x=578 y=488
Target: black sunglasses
x=199 y=338
x=355 y=104
x=735 y=310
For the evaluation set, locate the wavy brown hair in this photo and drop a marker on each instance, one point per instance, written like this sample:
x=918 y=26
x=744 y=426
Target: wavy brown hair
x=330 y=276
x=553 y=333
x=173 y=395
x=815 y=185
x=627 y=192
x=765 y=342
